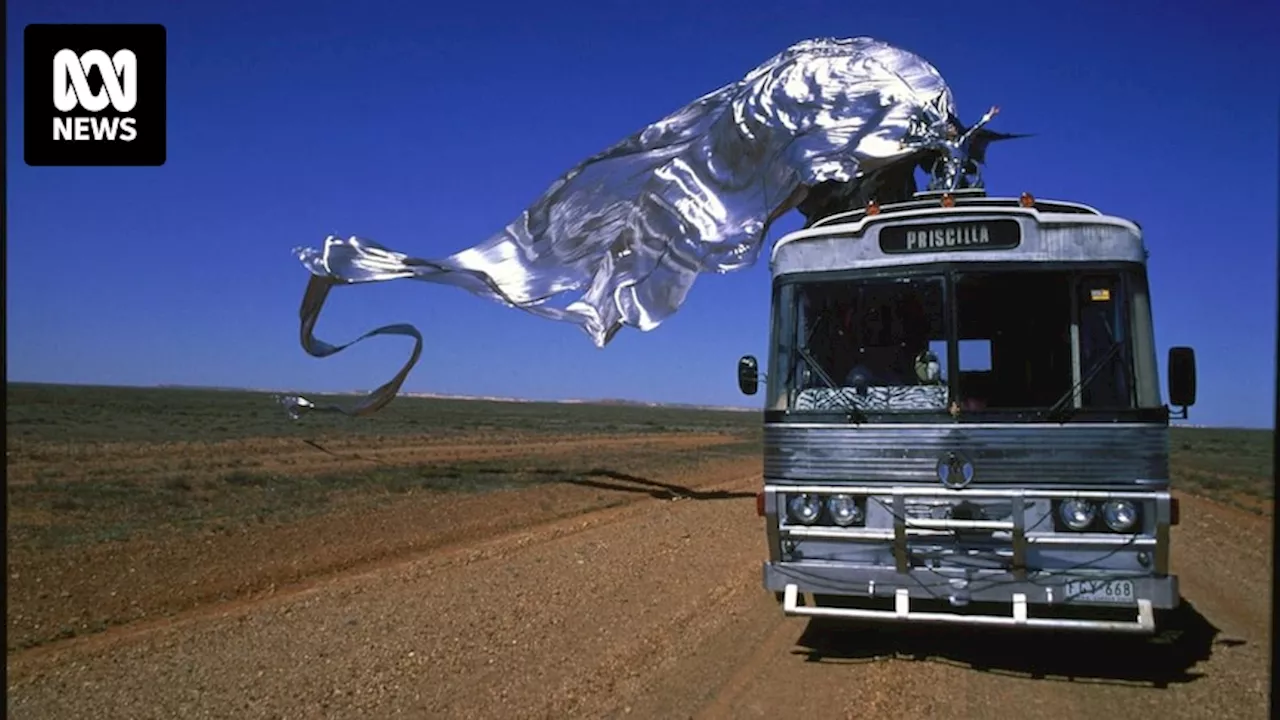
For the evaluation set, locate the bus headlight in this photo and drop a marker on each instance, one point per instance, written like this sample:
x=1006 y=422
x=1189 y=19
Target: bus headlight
x=1120 y=515
x=804 y=508
x=1077 y=514
x=844 y=510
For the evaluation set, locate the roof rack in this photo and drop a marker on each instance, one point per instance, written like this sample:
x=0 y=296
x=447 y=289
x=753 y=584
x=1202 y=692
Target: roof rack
x=958 y=193
x=972 y=198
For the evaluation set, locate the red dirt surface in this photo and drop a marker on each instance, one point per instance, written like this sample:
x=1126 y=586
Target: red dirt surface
x=567 y=601
x=88 y=587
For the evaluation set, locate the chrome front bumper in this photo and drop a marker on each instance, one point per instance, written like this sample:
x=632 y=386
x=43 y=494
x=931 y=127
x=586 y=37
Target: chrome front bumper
x=1021 y=596
x=1145 y=622
x=1024 y=589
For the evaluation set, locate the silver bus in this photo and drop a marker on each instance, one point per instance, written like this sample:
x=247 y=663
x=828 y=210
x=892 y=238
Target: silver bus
x=963 y=421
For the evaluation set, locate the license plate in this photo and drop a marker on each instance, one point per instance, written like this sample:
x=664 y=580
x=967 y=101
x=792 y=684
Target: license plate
x=1111 y=591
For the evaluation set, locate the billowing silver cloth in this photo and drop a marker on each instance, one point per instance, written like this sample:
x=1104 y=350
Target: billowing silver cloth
x=695 y=192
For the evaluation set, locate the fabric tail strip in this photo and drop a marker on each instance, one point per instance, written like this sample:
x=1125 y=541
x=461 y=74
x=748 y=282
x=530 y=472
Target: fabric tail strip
x=312 y=302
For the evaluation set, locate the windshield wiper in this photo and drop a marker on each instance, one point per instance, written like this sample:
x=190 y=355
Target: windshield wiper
x=1063 y=409
x=855 y=414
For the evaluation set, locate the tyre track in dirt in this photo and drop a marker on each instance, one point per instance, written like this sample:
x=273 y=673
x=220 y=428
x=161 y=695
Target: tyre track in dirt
x=653 y=610
x=296 y=456
x=150 y=578
x=436 y=559
x=501 y=621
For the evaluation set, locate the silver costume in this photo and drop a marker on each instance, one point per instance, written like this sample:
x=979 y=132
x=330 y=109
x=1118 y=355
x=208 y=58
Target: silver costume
x=695 y=192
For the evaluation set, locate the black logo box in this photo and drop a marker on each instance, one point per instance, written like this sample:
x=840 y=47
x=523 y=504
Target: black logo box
x=41 y=42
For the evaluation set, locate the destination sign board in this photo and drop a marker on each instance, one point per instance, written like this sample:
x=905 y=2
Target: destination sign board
x=952 y=236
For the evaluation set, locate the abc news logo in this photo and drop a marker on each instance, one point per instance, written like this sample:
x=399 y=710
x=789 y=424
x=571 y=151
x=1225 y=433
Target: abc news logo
x=71 y=91
x=107 y=105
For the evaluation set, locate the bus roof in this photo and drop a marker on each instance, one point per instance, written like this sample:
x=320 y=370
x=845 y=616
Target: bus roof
x=977 y=229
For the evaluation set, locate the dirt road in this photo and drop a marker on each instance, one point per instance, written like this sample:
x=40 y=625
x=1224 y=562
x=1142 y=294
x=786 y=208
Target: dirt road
x=649 y=609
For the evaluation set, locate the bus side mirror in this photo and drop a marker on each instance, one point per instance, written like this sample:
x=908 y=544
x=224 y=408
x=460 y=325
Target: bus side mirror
x=748 y=375
x=1182 y=378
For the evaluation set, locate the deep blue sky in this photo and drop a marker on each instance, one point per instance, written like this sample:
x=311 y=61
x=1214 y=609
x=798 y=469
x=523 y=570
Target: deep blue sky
x=429 y=126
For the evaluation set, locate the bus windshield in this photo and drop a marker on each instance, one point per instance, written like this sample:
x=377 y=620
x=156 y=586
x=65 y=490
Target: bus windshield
x=956 y=341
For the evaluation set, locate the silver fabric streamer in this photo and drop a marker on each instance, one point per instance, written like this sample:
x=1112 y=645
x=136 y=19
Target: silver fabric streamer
x=694 y=192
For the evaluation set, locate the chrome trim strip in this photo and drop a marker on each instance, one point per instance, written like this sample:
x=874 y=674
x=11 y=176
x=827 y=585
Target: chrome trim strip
x=1067 y=427
x=925 y=491
x=1080 y=455
x=874 y=535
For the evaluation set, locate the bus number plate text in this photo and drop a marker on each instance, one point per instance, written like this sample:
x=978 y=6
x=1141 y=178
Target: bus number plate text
x=1111 y=591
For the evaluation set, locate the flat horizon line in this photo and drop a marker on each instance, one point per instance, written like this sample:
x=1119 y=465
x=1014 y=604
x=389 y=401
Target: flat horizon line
x=419 y=395
x=487 y=398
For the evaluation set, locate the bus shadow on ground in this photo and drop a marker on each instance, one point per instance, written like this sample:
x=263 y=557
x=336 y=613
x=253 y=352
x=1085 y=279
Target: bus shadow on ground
x=604 y=479
x=1168 y=657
